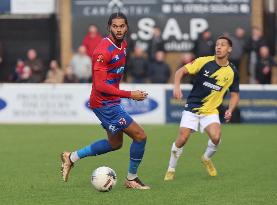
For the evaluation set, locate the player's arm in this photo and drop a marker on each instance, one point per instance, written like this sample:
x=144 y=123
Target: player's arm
x=234 y=101
x=190 y=68
x=101 y=84
x=179 y=74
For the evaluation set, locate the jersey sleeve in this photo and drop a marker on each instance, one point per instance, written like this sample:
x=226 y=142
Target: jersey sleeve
x=235 y=85
x=196 y=65
x=100 y=61
x=100 y=67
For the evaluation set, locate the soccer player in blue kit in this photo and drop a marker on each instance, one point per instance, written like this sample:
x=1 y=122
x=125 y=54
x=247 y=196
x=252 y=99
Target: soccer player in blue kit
x=214 y=75
x=109 y=59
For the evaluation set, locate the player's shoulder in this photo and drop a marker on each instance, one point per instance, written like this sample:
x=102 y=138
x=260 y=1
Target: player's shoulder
x=233 y=67
x=205 y=59
x=103 y=44
x=102 y=47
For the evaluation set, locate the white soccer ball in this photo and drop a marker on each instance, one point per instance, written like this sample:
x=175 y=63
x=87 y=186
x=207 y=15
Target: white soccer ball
x=103 y=179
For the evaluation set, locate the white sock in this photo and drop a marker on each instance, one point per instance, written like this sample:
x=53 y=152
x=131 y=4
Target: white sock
x=131 y=176
x=211 y=149
x=175 y=154
x=74 y=156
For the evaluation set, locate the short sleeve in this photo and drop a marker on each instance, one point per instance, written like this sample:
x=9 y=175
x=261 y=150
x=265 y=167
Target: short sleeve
x=235 y=85
x=196 y=65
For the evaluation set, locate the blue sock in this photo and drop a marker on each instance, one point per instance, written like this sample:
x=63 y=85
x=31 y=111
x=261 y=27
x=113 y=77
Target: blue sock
x=96 y=148
x=136 y=155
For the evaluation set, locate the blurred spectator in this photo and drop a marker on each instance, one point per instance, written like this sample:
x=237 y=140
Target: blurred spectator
x=22 y=72
x=55 y=74
x=264 y=66
x=36 y=66
x=92 y=39
x=81 y=65
x=69 y=76
x=1 y=54
x=253 y=46
x=138 y=66
x=159 y=71
x=238 y=46
x=186 y=57
x=204 y=45
x=155 y=44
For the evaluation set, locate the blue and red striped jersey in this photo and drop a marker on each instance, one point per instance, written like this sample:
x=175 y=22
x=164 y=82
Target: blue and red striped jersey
x=108 y=62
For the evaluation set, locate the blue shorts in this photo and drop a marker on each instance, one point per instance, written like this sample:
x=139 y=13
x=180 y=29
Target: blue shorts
x=113 y=118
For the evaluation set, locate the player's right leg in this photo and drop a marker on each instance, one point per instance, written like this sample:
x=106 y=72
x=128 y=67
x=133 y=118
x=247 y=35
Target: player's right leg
x=188 y=123
x=114 y=141
x=176 y=152
x=138 y=135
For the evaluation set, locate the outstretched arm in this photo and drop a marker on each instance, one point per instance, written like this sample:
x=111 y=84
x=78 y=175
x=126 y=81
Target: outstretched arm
x=234 y=100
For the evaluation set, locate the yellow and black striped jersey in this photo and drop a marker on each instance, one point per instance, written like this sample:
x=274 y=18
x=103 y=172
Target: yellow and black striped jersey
x=210 y=84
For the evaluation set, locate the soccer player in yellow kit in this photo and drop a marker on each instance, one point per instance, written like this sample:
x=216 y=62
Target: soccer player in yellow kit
x=214 y=76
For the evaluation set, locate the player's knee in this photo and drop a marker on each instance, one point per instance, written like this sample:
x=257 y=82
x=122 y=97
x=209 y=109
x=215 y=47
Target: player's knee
x=216 y=137
x=116 y=146
x=140 y=135
x=183 y=135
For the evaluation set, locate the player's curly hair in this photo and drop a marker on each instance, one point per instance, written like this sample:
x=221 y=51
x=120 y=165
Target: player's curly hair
x=117 y=15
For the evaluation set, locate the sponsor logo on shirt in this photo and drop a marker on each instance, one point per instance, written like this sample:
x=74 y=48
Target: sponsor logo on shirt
x=212 y=86
x=120 y=70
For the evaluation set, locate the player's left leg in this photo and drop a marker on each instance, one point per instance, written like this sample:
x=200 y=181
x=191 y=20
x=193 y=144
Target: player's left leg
x=114 y=142
x=214 y=132
x=138 y=135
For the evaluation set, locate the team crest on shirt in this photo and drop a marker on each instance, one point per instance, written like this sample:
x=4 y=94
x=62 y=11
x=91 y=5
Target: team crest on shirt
x=100 y=58
x=225 y=79
x=206 y=73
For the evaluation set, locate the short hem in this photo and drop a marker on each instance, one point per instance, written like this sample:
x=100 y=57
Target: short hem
x=202 y=130
x=192 y=129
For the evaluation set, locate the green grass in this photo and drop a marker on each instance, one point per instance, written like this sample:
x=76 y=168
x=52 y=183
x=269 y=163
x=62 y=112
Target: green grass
x=246 y=163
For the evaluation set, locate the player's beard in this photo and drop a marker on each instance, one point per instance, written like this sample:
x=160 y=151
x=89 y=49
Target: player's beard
x=116 y=39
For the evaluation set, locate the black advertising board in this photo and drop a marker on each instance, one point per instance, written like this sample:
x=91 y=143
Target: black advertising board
x=181 y=21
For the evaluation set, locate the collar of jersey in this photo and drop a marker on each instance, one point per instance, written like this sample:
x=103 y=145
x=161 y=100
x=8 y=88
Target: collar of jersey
x=113 y=43
x=220 y=65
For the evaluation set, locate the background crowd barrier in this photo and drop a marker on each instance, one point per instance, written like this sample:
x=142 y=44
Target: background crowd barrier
x=69 y=103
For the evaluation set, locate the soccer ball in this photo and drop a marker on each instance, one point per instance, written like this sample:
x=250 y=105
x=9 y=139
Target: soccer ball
x=103 y=179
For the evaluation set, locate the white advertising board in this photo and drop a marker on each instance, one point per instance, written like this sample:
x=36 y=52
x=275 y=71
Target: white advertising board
x=32 y=6
x=67 y=103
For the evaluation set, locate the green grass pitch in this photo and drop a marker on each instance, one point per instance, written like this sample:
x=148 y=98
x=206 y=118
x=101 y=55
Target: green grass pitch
x=246 y=162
